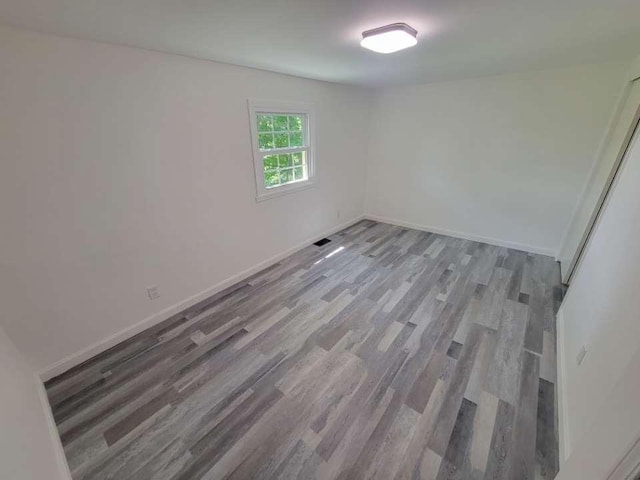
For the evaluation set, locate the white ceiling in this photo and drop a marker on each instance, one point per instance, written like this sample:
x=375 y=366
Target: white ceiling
x=320 y=38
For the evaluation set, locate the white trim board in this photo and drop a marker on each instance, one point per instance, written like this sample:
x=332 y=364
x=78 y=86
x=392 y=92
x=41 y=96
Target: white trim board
x=61 y=459
x=466 y=236
x=611 y=123
x=564 y=440
x=92 y=350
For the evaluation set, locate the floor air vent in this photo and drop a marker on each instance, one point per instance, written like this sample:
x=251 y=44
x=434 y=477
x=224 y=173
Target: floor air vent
x=322 y=242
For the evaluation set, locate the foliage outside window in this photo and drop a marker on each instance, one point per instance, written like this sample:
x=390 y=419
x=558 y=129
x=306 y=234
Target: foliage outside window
x=277 y=132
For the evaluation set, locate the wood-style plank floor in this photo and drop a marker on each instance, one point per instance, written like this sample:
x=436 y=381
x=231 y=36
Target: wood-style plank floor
x=388 y=353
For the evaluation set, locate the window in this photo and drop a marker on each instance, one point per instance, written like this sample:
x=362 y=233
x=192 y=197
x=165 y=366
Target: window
x=282 y=147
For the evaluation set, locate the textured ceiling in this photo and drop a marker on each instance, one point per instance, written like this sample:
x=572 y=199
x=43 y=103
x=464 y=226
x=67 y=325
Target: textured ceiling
x=320 y=38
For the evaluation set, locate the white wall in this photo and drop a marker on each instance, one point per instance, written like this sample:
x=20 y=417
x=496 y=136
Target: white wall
x=501 y=158
x=612 y=433
x=29 y=444
x=600 y=310
x=123 y=168
x=601 y=168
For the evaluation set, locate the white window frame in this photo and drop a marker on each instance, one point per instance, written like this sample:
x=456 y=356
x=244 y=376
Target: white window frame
x=259 y=107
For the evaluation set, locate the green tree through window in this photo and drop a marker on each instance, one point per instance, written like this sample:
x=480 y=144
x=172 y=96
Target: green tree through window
x=282 y=132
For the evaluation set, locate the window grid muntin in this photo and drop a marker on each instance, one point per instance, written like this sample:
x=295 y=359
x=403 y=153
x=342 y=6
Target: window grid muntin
x=303 y=131
x=280 y=169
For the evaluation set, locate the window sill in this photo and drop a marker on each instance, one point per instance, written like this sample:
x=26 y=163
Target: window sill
x=284 y=190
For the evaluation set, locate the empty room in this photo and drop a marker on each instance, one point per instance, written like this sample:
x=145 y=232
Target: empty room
x=319 y=240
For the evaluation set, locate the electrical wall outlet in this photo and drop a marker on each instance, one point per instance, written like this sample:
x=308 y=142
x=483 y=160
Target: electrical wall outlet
x=153 y=292
x=338 y=215
x=581 y=354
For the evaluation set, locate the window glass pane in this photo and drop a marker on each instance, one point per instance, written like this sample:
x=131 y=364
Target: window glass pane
x=295 y=123
x=280 y=123
x=265 y=141
x=298 y=158
x=295 y=139
x=271 y=179
x=298 y=173
x=286 y=175
x=265 y=123
x=270 y=162
x=285 y=160
x=281 y=140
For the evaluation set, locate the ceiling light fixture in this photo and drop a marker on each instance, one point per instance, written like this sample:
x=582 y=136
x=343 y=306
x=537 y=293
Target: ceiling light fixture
x=390 y=38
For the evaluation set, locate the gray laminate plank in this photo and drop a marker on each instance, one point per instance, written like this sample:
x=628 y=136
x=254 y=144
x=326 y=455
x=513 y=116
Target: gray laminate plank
x=535 y=325
x=478 y=377
x=456 y=457
x=422 y=389
x=546 y=432
x=448 y=413
x=366 y=401
x=388 y=461
x=505 y=369
x=501 y=450
x=524 y=429
x=126 y=425
x=419 y=461
x=483 y=427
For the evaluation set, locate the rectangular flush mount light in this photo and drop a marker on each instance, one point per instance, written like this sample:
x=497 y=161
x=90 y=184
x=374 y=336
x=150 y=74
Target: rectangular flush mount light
x=390 y=38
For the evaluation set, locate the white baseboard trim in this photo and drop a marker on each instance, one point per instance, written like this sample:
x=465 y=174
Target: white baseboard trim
x=466 y=236
x=61 y=460
x=563 y=418
x=92 y=350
